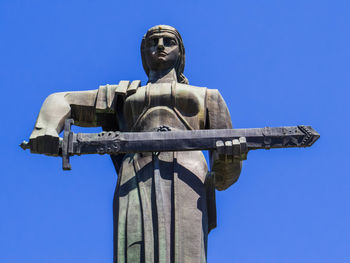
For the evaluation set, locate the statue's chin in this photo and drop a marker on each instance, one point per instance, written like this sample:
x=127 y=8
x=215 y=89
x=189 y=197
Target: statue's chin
x=161 y=59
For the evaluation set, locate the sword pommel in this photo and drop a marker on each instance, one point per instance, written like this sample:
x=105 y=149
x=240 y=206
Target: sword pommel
x=25 y=145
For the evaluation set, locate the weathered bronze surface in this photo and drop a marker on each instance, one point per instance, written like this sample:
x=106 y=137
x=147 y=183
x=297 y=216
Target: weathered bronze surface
x=164 y=204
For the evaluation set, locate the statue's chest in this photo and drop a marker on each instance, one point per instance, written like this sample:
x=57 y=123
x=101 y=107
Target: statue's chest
x=157 y=95
x=162 y=103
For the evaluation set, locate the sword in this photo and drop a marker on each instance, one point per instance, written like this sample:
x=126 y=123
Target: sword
x=111 y=142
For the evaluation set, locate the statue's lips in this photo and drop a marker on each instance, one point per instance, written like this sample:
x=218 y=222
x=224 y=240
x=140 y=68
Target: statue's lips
x=161 y=54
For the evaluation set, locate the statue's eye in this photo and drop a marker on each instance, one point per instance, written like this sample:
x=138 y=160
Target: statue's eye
x=154 y=41
x=169 y=41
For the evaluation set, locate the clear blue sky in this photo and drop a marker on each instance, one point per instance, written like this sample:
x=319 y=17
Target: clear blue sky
x=275 y=62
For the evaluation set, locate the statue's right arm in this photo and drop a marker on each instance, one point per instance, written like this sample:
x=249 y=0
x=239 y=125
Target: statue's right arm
x=55 y=110
x=225 y=164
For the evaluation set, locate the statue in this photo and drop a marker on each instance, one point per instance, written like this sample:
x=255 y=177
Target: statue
x=164 y=202
x=160 y=204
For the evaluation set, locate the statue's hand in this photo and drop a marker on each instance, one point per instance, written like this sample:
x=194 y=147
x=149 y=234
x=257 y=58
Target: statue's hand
x=226 y=161
x=44 y=141
x=231 y=151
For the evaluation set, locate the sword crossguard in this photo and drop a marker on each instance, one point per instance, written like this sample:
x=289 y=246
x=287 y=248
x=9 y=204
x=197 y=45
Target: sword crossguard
x=66 y=144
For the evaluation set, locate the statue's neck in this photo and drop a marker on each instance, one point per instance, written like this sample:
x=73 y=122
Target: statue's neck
x=162 y=76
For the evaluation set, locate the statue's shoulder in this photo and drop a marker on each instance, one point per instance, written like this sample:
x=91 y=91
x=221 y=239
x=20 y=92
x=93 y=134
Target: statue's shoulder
x=191 y=87
x=211 y=95
x=108 y=94
x=196 y=90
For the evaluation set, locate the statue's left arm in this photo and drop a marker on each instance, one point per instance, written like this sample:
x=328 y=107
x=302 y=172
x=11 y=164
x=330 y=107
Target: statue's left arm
x=57 y=107
x=92 y=108
x=225 y=165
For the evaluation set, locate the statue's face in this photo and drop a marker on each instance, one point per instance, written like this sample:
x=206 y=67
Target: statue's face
x=161 y=51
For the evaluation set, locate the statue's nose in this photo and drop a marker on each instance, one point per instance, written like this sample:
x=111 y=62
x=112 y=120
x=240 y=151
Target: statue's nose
x=160 y=43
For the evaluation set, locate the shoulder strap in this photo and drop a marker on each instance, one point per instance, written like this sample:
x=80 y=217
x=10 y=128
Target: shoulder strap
x=107 y=95
x=132 y=87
